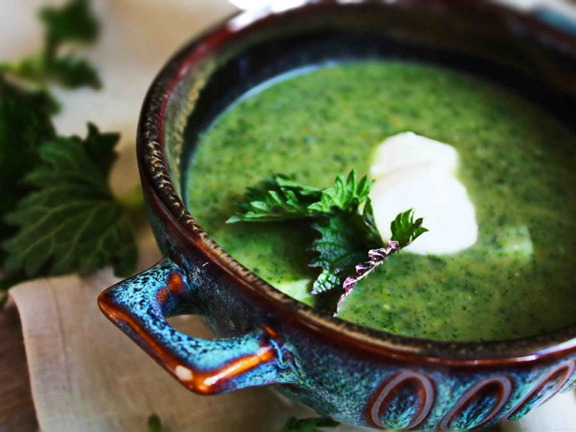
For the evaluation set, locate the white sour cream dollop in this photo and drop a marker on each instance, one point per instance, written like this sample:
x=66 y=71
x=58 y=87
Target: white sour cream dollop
x=412 y=171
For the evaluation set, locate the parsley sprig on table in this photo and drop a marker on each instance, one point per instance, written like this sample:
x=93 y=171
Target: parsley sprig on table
x=155 y=424
x=342 y=216
x=71 y=23
x=308 y=425
x=58 y=214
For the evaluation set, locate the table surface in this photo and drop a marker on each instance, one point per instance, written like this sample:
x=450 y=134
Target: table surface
x=16 y=408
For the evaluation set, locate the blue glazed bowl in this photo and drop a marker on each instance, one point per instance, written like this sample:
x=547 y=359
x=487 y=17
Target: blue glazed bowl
x=351 y=373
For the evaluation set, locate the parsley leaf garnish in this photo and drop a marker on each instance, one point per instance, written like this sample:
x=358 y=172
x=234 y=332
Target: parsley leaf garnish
x=71 y=222
x=342 y=216
x=72 y=22
x=308 y=425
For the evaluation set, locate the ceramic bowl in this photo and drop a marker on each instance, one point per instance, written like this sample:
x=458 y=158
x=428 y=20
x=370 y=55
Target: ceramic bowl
x=348 y=372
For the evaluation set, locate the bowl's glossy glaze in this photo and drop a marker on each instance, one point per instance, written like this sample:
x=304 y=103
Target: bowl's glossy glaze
x=351 y=373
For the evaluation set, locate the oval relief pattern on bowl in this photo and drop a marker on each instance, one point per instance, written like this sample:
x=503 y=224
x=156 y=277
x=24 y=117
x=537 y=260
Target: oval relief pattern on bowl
x=544 y=389
x=406 y=399
x=479 y=404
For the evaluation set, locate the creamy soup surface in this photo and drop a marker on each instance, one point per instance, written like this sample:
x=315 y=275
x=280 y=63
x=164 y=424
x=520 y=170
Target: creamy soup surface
x=517 y=163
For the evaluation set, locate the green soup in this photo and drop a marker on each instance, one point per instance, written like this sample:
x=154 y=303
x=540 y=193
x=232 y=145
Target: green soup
x=517 y=163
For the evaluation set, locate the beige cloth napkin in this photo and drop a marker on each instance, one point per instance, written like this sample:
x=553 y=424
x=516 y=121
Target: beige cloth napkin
x=85 y=374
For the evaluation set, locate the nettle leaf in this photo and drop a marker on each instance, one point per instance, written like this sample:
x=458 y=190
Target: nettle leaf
x=347 y=194
x=405 y=229
x=372 y=233
x=276 y=199
x=376 y=257
x=308 y=425
x=24 y=124
x=69 y=71
x=71 y=222
x=344 y=219
x=281 y=198
x=31 y=68
x=342 y=244
x=72 y=22
x=73 y=72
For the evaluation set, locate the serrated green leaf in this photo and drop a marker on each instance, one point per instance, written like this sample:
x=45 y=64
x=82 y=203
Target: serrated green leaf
x=281 y=198
x=276 y=199
x=308 y=425
x=24 y=124
x=372 y=233
x=71 y=222
x=31 y=68
x=72 y=22
x=342 y=244
x=346 y=195
x=73 y=72
x=405 y=229
x=347 y=232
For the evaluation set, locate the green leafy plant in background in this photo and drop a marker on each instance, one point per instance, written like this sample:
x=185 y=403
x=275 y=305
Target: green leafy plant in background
x=71 y=221
x=24 y=125
x=71 y=23
x=58 y=214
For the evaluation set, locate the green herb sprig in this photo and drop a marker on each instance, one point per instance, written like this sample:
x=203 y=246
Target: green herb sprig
x=73 y=22
x=71 y=221
x=343 y=218
x=57 y=213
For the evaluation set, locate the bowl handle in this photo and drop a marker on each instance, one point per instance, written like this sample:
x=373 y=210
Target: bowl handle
x=139 y=307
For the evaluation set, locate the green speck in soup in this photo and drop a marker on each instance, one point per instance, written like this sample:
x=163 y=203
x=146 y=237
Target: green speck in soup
x=517 y=163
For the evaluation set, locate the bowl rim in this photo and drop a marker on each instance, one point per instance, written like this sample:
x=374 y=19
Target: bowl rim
x=158 y=183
